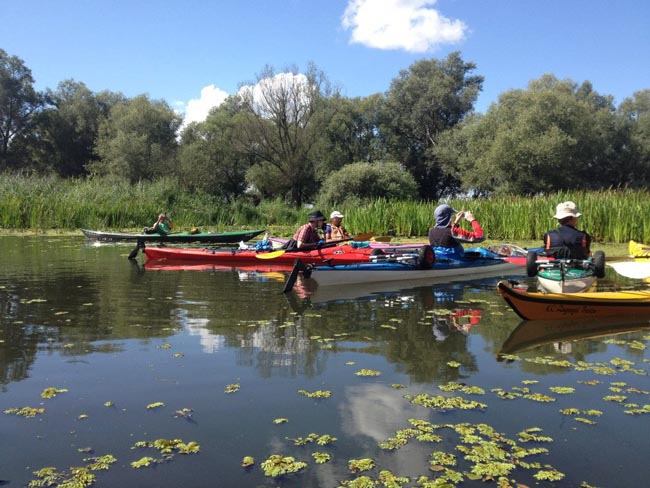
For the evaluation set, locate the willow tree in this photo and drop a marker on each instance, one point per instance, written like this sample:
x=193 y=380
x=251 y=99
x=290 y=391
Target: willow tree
x=280 y=130
x=19 y=103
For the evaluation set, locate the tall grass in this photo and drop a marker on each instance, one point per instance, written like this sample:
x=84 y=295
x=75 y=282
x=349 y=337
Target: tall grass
x=31 y=202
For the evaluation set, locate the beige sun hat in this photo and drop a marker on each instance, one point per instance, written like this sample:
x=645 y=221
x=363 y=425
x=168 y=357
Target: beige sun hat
x=566 y=209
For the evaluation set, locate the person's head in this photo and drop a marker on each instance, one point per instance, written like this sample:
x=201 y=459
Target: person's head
x=336 y=217
x=162 y=217
x=566 y=212
x=442 y=215
x=316 y=219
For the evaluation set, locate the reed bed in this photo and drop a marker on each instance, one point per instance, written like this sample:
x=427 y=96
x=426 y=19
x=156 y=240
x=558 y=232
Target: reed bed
x=44 y=203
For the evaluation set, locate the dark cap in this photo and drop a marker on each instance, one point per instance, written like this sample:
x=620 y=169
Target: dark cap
x=315 y=216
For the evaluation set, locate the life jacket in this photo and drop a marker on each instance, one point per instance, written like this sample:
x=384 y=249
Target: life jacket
x=567 y=243
x=337 y=232
x=443 y=242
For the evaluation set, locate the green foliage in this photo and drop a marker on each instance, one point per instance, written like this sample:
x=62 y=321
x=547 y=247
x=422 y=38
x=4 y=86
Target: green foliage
x=210 y=158
x=553 y=136
x=359 y=182
x=138 y=140
x=432 y=96
x=19 y=104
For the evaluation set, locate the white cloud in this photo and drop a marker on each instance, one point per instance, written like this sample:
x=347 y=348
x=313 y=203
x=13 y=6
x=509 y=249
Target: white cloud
x=197 y=109
x=410 y=25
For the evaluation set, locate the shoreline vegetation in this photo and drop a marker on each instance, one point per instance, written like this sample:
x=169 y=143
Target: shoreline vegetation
x=51 y=205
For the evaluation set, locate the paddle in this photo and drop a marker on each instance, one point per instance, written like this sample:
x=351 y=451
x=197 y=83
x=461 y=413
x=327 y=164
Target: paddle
x=311 y=247
x=298 y=266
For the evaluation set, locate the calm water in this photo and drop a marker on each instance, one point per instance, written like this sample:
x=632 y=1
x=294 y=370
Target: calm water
x=120 y=338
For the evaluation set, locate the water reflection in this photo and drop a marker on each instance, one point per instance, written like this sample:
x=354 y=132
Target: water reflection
x=86 y=319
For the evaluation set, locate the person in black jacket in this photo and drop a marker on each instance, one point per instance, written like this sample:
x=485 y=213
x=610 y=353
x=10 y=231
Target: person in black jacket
x=567 y=242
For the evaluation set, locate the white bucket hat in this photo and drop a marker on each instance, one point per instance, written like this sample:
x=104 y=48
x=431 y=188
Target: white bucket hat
x=566 y=209
x=336 y=214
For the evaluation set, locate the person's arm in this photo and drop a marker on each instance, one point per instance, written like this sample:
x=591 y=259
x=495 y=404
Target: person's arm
x=328 y=233
x=475 y=235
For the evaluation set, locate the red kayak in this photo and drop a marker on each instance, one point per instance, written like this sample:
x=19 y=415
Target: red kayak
x=341 y=254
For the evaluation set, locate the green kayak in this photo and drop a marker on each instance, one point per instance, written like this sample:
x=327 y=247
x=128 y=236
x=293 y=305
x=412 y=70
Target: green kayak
x=213 y=237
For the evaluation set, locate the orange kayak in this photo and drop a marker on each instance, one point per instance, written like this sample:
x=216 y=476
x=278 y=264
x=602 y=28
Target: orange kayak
x=542 y=306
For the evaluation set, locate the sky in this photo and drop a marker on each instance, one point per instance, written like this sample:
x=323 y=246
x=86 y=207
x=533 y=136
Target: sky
x=194 y=53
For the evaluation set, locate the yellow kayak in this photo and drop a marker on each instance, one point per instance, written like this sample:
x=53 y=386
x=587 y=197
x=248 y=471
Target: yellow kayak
x=542 y=306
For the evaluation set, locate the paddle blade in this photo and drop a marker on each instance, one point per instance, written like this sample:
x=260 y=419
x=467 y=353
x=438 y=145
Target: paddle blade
x=632 y=269
x=270 y=255
x=363 y=237
x=381 y=239
x=297 y=267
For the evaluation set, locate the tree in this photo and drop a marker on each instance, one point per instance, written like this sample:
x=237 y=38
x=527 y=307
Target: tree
x=279 y=129
x=362 y=181
x=432 y=96
x=19 y=103
x=69 y=128
x=138 y=140
x=211 y=158
x=553 y=136
x=636 y=113
x=349 y=133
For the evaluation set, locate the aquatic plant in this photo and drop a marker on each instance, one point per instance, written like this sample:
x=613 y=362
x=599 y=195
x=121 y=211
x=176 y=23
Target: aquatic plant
x=321 y=457
x=367 y=372
x=277 y=465
x=25 y=411
x=358 y=465
x=51 y=392
x=316 y=394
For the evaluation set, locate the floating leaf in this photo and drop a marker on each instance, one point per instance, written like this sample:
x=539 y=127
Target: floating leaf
x=562 y=390
x=277 y=465
x=51 y=392
x=367 y=372
x=155 y=405
x=143 y=462
x=549 y=474
x=358 y=465
x=280 y=421
x=25 y=411
x=454 y=364
x=321 y=457
x=232 y=388
x=247 y=461
x=316 y=394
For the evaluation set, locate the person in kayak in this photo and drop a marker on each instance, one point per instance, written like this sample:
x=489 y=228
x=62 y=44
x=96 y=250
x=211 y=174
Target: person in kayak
x=567 y=242
x=446 y=237
x=334 y=230
x=162 y=226
x=307 y=234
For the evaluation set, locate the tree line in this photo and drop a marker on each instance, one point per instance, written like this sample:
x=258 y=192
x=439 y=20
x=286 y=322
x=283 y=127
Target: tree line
x=294 y=136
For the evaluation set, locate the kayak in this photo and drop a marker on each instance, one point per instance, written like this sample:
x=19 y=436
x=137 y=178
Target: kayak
x=591 y=305
x=531 y=334
x=181 y=237
x=638 y=250
x=337 y=253
x=638 y=270
x=565 y=275
x=403 y=268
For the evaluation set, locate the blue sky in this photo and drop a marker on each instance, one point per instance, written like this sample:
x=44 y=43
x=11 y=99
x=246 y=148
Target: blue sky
x=193 y=53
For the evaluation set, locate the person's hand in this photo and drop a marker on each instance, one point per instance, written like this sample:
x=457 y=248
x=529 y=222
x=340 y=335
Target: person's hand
x=469 y=216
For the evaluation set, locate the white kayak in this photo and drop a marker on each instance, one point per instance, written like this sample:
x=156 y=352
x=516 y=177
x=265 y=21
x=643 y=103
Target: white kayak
x=637 y=270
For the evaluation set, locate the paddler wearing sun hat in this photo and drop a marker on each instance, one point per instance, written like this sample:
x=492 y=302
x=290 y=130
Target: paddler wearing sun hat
x=567 y=242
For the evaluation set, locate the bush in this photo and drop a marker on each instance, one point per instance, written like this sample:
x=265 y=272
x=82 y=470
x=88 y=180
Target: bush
x=368 y=181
